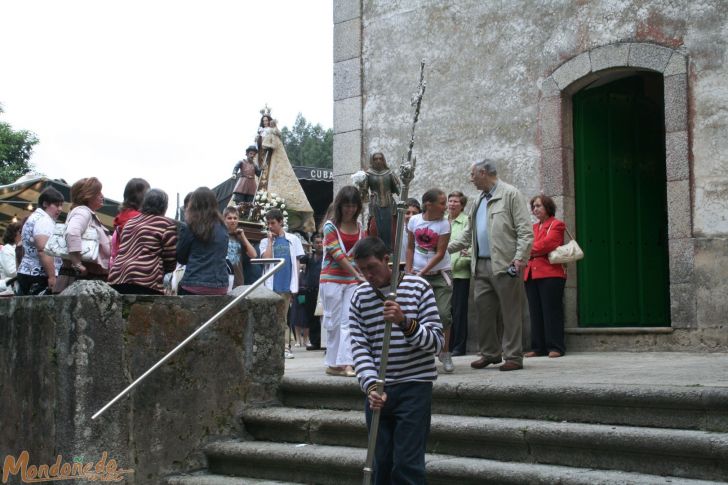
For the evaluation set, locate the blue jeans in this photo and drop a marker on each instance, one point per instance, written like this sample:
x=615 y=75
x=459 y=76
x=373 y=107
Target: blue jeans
x=404 y=426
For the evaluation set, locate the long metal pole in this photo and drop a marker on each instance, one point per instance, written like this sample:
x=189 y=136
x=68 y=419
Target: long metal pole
x=278 y=264
x=406 y=173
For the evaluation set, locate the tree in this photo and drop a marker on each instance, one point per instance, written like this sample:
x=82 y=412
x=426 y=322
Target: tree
x=308 y=145
x=16 y=147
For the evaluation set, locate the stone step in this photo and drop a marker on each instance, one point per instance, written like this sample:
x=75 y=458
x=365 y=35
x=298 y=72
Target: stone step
x=340 y=465
x=679 y=407
x=684 y=453
x=201 y=479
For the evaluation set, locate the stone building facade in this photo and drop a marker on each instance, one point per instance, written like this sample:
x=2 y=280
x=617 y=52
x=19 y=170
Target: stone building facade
x=504 y=81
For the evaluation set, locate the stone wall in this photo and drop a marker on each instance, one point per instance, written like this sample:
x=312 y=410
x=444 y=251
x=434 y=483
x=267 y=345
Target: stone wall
x=63 y=357
x=500 y=76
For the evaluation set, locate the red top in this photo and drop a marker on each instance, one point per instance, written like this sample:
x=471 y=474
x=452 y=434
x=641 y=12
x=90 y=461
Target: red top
x=349 y=240
x=547 y=236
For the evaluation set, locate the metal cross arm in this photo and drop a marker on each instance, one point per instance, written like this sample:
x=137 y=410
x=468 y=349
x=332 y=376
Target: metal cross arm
x=277 y=265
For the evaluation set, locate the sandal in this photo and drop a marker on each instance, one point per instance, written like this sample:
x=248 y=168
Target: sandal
x=336 y=371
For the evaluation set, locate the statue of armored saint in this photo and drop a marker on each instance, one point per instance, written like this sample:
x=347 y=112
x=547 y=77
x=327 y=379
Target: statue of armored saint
x=382 y=184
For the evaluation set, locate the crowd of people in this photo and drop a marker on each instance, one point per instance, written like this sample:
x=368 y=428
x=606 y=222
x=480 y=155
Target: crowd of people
x=337 y=287
x=491 y=241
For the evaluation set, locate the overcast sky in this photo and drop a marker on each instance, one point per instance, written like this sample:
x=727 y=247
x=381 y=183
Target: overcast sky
x=165 y=90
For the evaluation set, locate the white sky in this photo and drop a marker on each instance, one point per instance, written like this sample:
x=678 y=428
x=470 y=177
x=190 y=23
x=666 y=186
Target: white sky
x=165 y=90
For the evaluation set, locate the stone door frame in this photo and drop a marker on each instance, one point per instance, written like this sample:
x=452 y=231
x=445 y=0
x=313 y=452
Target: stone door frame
x=555 y=137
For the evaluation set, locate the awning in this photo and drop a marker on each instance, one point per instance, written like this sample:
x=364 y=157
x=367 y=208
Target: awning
x=19 y=200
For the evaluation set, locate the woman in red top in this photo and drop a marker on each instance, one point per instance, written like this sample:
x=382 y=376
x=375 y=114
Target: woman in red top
x=545 y=282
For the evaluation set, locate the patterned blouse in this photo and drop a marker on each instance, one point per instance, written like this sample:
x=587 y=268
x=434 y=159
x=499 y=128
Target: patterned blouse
x=147 y=251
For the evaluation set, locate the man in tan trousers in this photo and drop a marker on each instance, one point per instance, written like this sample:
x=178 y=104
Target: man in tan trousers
x=500 y=248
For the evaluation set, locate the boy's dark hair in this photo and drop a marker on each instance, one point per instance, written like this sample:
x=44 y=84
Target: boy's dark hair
x=230 y=210
x=370 y=246
x=49 y=196
x=274 y=214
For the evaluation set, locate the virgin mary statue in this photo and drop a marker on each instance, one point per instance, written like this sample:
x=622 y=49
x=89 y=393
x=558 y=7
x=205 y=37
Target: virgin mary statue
x=277 y=176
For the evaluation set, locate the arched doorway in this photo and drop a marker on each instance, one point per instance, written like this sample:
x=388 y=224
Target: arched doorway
x=621 y=201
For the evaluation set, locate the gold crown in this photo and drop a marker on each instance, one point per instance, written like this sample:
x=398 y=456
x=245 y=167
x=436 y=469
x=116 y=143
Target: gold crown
x=265 y=111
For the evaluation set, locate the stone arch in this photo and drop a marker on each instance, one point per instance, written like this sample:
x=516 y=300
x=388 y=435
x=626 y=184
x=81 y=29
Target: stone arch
x=557 y=156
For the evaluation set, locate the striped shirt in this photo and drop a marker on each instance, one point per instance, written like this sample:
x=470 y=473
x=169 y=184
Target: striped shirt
x=332 y=270
x=147 y=250
x=411 y=351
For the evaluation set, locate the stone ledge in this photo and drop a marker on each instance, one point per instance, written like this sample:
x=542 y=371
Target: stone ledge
x=88 y=343
x=618 y=330
x=511 y=439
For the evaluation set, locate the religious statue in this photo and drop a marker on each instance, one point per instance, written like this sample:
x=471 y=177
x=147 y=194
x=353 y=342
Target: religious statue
x=277 y=175
x=382 y=184
x=244 y=174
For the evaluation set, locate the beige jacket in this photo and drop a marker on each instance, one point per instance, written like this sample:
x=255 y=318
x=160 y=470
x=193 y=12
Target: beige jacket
x=78 y=220
x=509 y=229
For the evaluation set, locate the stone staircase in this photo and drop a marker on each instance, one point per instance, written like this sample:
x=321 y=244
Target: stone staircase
x=484 y=433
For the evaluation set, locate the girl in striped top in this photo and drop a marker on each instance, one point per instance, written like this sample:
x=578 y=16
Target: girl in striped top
x=339 y=279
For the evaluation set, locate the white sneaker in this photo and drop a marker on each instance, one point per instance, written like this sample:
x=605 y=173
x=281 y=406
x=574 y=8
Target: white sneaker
x=288 y=354
x=447 y=364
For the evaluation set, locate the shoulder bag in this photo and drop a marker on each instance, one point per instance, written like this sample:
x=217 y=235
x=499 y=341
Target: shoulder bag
x=568 y=253
x=56 y=245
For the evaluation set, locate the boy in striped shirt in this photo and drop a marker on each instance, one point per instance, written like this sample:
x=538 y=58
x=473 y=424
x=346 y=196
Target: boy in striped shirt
x=416 y=338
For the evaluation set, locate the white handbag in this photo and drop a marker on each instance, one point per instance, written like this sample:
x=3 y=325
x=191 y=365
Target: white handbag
x=56 y=245
x=568 y=253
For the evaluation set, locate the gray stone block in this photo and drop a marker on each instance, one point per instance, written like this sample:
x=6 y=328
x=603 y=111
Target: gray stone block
x=552 y=172
x=347 y=152
x=683 y=307
x=682 y=260
x=549 y=114
x=549 y=88
x=649 y=56
x=346 y=10
x=608 y=56
x=347 y=40
x=679 y=223
x=347 y=114
x=567 y=213
x=347 y=79
x=711 y=260
x=678 y=64
x=676 y=156
x=711 y=217
x=571 y=316
x=341 y=181
x=676 y=103
x=572 y=70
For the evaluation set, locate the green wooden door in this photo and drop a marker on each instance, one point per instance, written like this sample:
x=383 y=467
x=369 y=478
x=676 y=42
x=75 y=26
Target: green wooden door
x=621 y=208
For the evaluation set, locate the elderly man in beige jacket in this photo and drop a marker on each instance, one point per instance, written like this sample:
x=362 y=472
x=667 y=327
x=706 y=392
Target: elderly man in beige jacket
x=500 y=248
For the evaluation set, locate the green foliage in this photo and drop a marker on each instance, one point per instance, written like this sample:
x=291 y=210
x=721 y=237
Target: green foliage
x=308 y=145
x=16 y=147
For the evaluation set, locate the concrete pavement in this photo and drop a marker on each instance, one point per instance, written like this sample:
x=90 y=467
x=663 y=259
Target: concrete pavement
x=681 y=369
